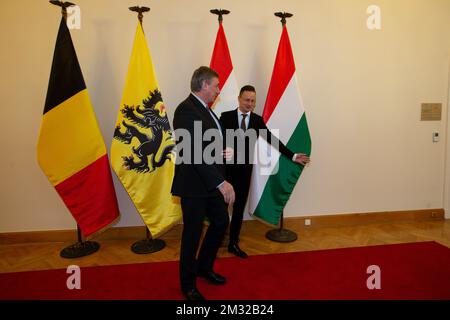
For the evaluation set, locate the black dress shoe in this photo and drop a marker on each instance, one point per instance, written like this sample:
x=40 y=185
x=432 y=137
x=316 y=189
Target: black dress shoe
x=212 y=277
x=234 y=249
x=193 y=295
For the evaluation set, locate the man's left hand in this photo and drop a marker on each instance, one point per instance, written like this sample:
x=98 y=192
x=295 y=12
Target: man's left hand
x=228 y=153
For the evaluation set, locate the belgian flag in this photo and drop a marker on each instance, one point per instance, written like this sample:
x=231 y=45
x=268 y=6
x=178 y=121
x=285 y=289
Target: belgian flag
x=70 y=149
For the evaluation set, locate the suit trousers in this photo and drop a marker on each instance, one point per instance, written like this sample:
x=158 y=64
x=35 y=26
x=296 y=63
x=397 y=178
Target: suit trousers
x=194 y=212
x=239 y=176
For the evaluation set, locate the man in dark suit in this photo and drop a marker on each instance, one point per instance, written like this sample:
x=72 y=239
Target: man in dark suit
x=200 y=183
x=239 y=172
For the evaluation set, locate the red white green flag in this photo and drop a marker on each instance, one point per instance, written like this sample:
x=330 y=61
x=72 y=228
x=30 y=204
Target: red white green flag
x=274 y=177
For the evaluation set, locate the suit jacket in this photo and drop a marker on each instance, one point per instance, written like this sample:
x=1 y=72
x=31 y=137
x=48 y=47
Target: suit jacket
x=229 y=120
x=196 y=180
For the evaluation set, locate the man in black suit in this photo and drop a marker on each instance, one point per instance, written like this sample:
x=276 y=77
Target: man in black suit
x=239 y=172
x=200 y=183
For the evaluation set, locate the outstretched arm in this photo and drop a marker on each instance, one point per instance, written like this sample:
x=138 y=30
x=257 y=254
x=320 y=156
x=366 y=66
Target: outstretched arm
x=299 y=158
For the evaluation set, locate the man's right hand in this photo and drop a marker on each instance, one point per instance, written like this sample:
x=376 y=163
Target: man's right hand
x=227 y=191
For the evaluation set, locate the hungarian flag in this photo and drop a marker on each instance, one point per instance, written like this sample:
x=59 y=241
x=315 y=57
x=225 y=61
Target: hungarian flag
x=221 y=63
x=141 y=151
x=70 y=149
x=274 y=176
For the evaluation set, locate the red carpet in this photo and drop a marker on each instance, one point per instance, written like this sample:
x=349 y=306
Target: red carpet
x=408 y=271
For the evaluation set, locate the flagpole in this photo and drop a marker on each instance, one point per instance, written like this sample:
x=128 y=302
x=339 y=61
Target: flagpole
x=81 y=248
x=281 y=234
x=220 y=13
x=147 y=245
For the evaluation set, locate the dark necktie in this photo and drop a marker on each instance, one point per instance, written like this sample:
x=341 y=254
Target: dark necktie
x=243 y=126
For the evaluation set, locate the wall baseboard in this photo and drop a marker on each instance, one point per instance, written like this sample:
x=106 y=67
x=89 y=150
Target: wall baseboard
x=353 y=219
x=321 y=221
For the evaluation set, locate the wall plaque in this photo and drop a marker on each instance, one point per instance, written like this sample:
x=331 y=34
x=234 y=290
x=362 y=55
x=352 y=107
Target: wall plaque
x=431 y=112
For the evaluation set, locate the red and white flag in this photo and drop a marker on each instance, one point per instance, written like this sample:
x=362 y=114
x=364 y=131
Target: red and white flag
x=221 y=63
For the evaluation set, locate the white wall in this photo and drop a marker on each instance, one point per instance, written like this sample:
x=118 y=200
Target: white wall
x=362 y=90
x=447 y=162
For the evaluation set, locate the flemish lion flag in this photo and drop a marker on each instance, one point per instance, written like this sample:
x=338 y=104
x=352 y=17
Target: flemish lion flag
x=70 y=149
x=141 y=151
x=283 y=111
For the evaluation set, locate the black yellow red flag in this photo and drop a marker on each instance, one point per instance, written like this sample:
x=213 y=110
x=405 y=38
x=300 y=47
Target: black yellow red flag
x=71 y=150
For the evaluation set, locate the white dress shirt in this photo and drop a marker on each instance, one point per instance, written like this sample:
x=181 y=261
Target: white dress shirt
x=247 y=119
